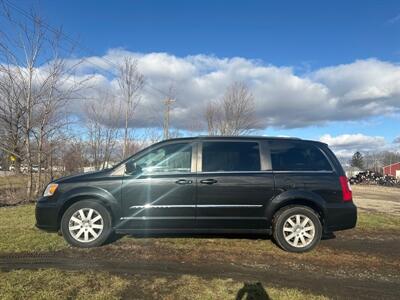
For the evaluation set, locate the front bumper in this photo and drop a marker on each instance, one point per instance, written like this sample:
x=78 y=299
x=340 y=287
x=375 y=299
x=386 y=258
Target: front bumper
x=340 y=216
x=46 y=213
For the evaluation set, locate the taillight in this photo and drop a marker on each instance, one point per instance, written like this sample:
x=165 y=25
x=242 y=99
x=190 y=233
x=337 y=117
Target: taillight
x=346 y=188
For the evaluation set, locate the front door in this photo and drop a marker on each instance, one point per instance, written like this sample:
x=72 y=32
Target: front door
x=234 y=185
x=158 y=189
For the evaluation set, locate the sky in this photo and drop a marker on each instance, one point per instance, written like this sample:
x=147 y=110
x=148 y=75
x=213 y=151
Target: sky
x=324 y=70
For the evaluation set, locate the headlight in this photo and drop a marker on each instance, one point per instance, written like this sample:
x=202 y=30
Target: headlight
x=50 y=189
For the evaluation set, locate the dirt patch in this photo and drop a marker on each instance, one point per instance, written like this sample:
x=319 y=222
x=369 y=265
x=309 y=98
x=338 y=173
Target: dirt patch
x=355 y=264
x=375 y=243
x=377 y=198
x=315 y=282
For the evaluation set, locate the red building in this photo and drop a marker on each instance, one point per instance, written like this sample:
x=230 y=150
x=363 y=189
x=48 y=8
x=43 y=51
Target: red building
x=391 y=169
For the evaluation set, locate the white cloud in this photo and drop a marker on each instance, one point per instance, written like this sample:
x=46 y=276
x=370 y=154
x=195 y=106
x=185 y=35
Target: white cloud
x=345 y=145
x=284 y=99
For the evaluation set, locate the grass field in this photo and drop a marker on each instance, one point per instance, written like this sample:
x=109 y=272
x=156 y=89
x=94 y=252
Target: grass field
x=366 y=253
x=18 y=233
x=55 y=284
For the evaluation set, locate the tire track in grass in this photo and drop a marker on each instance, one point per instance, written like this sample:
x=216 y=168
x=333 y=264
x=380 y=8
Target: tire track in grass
x=318 y=283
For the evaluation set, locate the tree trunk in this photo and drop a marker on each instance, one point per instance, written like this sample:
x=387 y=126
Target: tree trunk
x=39 y=158
x=27 y=136
x=125 y=135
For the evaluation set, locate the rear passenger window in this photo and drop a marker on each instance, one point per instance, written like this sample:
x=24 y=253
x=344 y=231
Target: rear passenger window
x=297 y=157
x=230 y=156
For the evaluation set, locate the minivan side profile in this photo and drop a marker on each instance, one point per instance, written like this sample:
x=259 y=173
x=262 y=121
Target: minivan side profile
x=293 y=189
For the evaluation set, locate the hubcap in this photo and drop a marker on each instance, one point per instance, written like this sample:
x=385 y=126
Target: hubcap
x=85 y=225
x=299 y=231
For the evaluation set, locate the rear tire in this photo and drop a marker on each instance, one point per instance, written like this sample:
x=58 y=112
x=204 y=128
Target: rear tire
x=86 y=224
x=297 y=228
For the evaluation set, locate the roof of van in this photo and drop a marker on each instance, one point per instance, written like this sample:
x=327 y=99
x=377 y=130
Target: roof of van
x=247 y=137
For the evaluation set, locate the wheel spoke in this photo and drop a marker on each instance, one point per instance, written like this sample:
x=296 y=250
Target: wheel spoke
x=93 y=233
x=289 y=229
x=75 y=227
x=305 y=222
x=76 y=220
x=309 y=228
x=97 y=226
x=298 y=220
x=303 y=241
x=79 y=233
x=290 y=236
x=95 y=219
x=89 y=216
x=296 y=241
x=307 y=235
x=291 y=222
x=86 y=236
x=82 y=214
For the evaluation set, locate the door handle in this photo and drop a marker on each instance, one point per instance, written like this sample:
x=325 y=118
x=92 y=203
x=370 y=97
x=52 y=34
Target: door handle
x=183 y=181
x=208 y=181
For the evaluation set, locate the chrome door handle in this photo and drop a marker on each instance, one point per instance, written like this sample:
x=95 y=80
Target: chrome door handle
x=183 y=181
x=208 y=181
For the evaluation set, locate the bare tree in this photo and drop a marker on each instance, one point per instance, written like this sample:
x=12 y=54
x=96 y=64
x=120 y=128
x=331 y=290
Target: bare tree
x=74 y=155
x=11 y=118
x=234 y=114
x=102 y=127
x=21 y=54
x=37 y=83
x=130 y=82
x=58 y=86
x=211 y=114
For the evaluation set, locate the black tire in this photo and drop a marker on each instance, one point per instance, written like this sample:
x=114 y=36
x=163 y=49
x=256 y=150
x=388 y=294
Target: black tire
x=291 y=211
x=98 y=208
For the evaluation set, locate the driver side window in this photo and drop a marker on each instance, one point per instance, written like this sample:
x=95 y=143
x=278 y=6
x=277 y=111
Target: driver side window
x=172 y=158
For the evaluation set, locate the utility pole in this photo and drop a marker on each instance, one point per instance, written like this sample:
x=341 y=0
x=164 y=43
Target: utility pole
x=168 y=102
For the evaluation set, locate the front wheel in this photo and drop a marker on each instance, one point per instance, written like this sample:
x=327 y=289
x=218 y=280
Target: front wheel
x=86 y=224
x=297 y=228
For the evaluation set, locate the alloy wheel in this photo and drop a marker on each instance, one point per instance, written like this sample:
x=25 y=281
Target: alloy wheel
x=86 y=225
x=299 y=230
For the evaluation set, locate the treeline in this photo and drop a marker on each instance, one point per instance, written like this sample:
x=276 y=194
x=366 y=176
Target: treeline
x=373 y=161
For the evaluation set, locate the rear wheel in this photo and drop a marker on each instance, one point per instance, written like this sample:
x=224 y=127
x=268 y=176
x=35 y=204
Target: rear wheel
x=86 y=224
x=297 y=228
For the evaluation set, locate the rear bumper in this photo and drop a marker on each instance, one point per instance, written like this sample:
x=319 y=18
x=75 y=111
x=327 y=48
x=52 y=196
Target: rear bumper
x=46 y=213
x=340 y=216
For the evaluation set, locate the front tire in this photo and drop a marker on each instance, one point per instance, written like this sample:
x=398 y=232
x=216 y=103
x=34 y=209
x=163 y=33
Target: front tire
x=297 y=228
x=86 y=224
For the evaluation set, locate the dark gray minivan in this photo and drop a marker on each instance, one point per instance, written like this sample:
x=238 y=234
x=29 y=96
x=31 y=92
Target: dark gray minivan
x=294 y=189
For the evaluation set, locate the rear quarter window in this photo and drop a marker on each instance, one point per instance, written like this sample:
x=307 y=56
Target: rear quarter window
x=294 y=156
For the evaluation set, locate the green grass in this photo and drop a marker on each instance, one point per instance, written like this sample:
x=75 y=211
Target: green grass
x=19 y=234
x=196 y=288
x=55 y=284
x=378 y=221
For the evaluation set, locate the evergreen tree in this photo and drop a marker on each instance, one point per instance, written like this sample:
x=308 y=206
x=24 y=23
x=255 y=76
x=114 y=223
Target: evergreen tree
x=357 y=160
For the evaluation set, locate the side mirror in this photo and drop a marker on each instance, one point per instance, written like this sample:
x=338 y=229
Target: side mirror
x=132 y=168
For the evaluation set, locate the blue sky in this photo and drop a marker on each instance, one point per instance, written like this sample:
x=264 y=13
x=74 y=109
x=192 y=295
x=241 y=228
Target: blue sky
x=307 y=37
x=306 y=34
